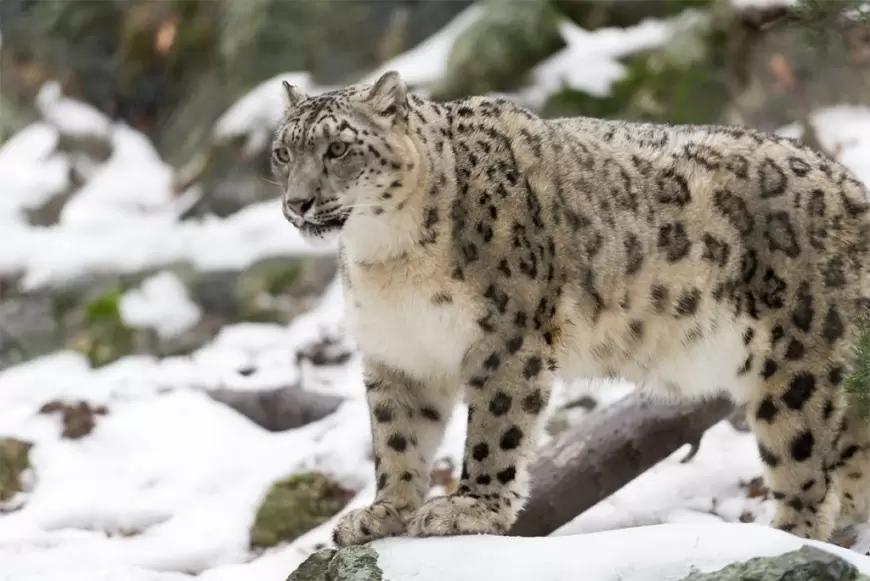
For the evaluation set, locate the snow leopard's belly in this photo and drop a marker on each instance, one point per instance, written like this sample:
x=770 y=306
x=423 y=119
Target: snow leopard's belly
x=699 y=356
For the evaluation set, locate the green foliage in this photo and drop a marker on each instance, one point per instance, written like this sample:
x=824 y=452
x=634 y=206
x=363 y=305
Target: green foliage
x=296 y=505
x=594 y=14
x=858 y=382
x=104 y=337
x=821 y=19
x=809 y=11
x=683 y=83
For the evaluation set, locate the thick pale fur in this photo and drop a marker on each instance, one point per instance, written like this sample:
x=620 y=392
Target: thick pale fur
x=487 y=249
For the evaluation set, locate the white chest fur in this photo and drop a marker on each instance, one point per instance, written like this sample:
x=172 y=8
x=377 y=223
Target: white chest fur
x=403 y=318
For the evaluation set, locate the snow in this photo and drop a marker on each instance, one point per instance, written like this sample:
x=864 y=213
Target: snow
x=32 y=172
x=859 y=13
x=589 y=61
x=166 y=485
x=661 y=553
x=70 y=116
x=426 y=62
x=125 y=217
x=179 y=471
x=256 y=115
x=169 y=479
x=133 y=181
x=54 y=254
x=844 y=130
x=762 y=3
x=161 y=302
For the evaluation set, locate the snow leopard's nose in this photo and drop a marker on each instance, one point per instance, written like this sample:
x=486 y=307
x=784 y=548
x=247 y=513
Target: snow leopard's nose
x=299 y=206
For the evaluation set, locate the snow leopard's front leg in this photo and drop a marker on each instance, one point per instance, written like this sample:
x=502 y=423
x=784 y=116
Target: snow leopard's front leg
x=508 y=385
x=408 y=420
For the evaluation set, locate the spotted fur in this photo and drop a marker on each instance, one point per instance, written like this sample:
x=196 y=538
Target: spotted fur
x=482 y=246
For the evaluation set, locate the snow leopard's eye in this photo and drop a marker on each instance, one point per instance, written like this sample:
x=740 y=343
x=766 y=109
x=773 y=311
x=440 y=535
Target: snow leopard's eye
x=336 y=149
x=281 y=155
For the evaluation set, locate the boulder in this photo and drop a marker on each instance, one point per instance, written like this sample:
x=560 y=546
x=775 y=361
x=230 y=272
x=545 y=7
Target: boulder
x=495 y=52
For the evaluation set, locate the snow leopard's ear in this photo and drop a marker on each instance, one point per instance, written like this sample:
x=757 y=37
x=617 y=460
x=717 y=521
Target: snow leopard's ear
x=292 y=95
x=388 y=96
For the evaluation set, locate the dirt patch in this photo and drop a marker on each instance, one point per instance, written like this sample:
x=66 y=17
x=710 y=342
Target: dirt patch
x=327 y=351
x=78 y=418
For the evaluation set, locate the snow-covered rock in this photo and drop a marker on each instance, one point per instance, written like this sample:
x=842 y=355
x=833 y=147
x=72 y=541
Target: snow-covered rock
x=161 y=302
x=32 y=171
x=655 y=553
x=133 y=181
x=70 y=116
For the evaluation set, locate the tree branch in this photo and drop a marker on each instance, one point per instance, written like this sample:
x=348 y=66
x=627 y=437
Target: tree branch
x=586 y=464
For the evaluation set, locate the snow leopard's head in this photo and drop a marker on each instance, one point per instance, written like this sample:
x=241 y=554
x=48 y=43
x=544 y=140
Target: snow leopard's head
x=341 y=153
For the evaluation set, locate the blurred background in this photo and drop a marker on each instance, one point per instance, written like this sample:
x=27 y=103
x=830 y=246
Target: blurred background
x=177 y=74
x=171 y=70
x=140 y=238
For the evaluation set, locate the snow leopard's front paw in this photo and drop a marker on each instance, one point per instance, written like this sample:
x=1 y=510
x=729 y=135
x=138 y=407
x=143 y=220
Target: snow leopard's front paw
x=373 y=522
x=459 y=515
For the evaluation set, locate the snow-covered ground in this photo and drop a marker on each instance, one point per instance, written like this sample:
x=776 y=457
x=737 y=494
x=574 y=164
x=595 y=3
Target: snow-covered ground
x=168 y=482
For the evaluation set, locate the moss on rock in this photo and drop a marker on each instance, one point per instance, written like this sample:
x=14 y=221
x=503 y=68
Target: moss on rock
x=14 y=461
x=348 y=564
x=262 y=283
x=294 y=506
x=806 y=564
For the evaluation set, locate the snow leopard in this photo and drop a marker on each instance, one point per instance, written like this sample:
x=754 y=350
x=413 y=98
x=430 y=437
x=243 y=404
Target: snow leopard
x=486 y=252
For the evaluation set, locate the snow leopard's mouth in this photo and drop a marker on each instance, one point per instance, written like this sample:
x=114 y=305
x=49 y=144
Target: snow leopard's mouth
x=324 y=226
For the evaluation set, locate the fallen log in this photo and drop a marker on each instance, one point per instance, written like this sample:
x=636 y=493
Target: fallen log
x=587 y=463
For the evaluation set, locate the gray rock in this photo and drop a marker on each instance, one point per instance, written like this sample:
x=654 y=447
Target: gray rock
x=28 y=327
x=283 y=408
x=348 y=564
x=496 y=52
x=806 y=564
